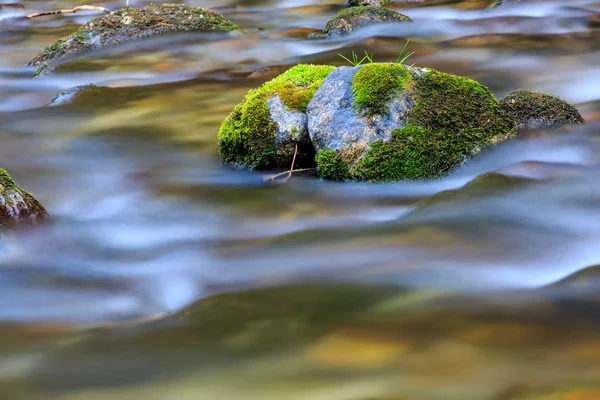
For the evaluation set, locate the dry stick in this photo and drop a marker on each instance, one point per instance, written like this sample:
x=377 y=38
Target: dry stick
x=67 y=11
x=293 y=162
x=292 y=170
x=287 y=172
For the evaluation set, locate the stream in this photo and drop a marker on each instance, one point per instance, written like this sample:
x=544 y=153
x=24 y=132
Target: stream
x=339 y=291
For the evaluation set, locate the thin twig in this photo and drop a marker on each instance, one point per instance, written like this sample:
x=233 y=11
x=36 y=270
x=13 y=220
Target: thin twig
x=67 y=11
x=272 y=177
x=293 y=162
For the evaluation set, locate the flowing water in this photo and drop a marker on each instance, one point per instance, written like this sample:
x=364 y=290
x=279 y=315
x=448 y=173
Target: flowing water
x=365 y=298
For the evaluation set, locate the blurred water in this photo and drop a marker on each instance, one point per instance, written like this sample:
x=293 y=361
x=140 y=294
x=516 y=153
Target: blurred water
x=146 y=220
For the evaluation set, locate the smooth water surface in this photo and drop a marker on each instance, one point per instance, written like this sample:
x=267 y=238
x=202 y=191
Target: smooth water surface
x=447 y=303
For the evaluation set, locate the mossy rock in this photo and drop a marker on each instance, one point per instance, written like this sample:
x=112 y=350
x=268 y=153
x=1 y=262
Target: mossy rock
x=390 y=122
x=351 y=18
x=539 y=110
x=17 y=206
x=331 y=166
x=128 y=24
x=378 y=3
x=269 y=126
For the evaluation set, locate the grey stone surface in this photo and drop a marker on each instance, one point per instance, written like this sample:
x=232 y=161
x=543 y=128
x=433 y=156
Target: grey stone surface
x=351 y=18
x=335 y=124
x=292 y=130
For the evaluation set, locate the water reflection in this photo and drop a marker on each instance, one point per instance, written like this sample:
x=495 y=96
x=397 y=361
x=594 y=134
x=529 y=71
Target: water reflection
x=146 y=221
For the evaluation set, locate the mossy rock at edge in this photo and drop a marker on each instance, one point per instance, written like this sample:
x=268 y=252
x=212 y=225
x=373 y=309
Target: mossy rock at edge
x=539 y=110
x=390 y=122
x=351 y=18
x=17 y=206
x=128 y=24
x=269 y=125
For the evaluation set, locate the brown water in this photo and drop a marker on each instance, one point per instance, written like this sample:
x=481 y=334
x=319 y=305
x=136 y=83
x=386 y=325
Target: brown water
x=450 y=303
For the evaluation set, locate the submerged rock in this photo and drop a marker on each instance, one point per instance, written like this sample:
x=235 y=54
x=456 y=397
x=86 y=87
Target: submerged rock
x=487 y=184
x=71 y=94
x=585 y=282
x=16 y=205
x=263 y=131
x=539 y=110
x=497 y=3
x=129 y=24
x=388 y=122
x=354 y=17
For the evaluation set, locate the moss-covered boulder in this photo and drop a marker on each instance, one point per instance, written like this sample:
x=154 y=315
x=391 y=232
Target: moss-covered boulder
x=389 y=122
x=16 y=205
x=539 y=110
x=129 y=24
x=378 y=3
x=354 y=17
x=270 y=124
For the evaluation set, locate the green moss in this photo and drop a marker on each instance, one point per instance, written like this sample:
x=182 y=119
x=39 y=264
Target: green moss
x=375 y=84
x=247 y=135
x=331 y=166
x=532 y=110
x=349 y=18
x=5 y=180
x=453 y=119
x=130 y=23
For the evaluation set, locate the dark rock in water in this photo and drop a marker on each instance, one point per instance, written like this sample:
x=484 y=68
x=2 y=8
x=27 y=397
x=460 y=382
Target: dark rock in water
x=354 y=17
x=378 y=3
x=129 y=24
x=264 y=130
x=488 y=184
x=16 y=205
x=69 y=95
x=389 y=122
x=539 y=110
x=585 y=282
x=231 y=326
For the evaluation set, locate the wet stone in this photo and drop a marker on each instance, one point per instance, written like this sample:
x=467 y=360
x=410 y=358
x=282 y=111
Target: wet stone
x=16 y=205
x=533 y=110
x=69 y=95
x=129 y=24
x=354 y=17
